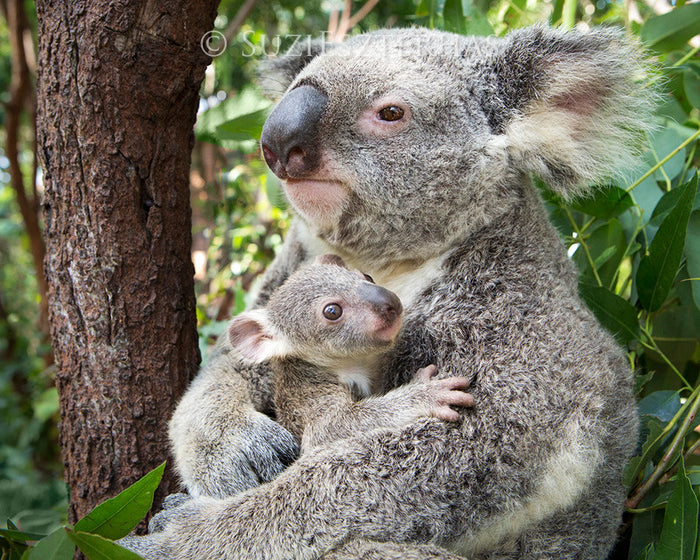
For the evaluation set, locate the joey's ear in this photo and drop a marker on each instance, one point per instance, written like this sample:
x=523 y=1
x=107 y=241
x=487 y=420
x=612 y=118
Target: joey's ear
x=277 y=73
x=331 y=259
x=250 y=335
x=575 y=105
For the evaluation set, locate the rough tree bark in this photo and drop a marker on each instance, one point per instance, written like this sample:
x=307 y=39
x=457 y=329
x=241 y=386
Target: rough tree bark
x=117 y=99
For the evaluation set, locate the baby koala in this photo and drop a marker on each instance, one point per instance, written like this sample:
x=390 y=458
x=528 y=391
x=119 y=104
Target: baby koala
x=324 y=331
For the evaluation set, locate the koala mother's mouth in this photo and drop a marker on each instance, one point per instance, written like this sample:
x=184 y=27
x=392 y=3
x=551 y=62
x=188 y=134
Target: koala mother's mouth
x=319 y=200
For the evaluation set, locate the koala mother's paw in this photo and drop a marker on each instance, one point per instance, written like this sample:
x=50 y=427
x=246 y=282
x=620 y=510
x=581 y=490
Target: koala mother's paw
x=170 y=503
x=147 y=546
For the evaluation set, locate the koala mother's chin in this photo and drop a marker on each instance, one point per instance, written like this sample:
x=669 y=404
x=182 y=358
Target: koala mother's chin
x=319 y=202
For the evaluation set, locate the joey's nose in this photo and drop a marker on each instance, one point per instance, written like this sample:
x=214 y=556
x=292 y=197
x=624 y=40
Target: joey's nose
x=289 y=140
x=385 y=303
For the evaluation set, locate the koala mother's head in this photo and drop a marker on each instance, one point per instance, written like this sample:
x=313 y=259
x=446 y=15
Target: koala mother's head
x=397 y=144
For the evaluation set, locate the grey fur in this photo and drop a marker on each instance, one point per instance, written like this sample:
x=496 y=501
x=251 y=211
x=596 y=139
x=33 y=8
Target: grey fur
x=444 y=214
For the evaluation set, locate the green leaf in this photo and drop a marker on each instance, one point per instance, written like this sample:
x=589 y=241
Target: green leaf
x=46 y=405
x=660 y=404
x=606 y=246
x=57 y=546
x=116 y=517
x=606 y=203
x=691 y=85
x=649 y=447
x=614 y=313
x=658 y=269
x=671 y=31
x=680 y=528
x=663 y=143
x=20 y=536
x=692 y=255
x=244 y=127
x=95 y=547
x=460 y=16
x=242 y=112
x=646 y=554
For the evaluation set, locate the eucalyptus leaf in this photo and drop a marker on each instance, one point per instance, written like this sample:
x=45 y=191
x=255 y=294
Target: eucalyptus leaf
x=116 y=517
x=664 y=142
x=20 y=536
x=659 y=267
x=691 y=85
x=680 y=529
x=692 y=255
x=671 y=31
x=57 y=546
x=661 y=404
x=95 y=547
x=243 y=127
x=606 y=202
x=615 y=313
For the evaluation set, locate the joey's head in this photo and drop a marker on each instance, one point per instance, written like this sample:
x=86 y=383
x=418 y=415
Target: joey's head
x=396 y=144
x=323 y=313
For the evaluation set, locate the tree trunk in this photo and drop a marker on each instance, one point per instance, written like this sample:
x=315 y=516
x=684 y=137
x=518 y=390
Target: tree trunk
x=117 y=100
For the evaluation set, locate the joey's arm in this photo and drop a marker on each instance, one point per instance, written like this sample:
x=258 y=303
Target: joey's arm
x=318 y=409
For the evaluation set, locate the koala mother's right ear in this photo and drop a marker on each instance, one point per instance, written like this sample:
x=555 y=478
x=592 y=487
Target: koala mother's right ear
x=577 y=104
x=275 y=74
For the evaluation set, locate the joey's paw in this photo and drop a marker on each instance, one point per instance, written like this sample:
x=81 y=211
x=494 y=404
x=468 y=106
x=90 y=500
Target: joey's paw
x=450 y=392
x=268 y=447
x=442 y=394
x=424 y=374
x=170 y=502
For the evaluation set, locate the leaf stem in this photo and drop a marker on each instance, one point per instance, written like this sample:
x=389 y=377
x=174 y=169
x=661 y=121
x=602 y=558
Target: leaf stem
x=692 y=449
x=580 y=240
x=687 y=57
x=651 y=345
x=659 y=164
x=665 y=461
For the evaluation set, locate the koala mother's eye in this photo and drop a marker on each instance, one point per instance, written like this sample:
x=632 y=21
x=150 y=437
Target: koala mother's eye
x=332 y=312
x=391 y=113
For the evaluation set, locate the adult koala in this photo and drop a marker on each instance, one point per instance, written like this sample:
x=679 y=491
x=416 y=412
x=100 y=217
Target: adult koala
x=408 y=153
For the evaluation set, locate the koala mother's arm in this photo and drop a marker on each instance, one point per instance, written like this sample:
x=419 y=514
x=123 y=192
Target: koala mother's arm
x=222 y=440
x=424 y=483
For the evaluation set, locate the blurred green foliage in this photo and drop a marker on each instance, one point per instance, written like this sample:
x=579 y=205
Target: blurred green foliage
x=636 y=244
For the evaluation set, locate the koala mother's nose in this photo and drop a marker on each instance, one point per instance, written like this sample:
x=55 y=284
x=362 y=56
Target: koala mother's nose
x=290 y=135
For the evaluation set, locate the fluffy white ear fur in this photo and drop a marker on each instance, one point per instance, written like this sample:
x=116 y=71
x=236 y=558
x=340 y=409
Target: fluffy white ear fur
x=593 y=105
x=250 y=334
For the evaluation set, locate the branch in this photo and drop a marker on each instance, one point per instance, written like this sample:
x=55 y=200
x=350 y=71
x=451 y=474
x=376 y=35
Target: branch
x=239 y=18
x=22 y=97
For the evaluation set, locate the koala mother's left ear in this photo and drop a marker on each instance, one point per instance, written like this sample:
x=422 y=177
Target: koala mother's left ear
x=577 y=104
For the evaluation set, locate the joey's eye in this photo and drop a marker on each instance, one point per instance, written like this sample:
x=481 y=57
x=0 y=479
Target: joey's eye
x=391 y=113
x=332 y=312
x=368 y=278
